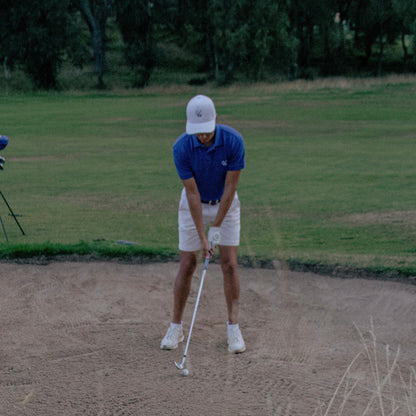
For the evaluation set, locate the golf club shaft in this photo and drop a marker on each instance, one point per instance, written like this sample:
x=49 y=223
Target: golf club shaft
x=195 y=309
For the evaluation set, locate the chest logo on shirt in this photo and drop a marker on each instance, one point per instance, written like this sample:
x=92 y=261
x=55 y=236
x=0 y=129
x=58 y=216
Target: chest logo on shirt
x=224 y=163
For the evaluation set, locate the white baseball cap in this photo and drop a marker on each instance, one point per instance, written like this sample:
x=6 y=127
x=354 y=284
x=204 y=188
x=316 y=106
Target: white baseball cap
x=200 y=115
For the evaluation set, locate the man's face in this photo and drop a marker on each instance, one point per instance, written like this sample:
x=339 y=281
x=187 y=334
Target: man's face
x=207 y=139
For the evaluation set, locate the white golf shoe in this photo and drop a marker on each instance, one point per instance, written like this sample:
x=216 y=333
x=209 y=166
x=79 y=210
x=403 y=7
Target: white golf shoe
x=173 y=337
x=235 y=340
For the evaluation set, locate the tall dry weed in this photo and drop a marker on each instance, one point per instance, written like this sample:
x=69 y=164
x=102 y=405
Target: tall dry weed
x=390 y=392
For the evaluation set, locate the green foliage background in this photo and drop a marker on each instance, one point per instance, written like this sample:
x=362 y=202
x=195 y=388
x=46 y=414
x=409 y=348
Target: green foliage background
x=103 y=43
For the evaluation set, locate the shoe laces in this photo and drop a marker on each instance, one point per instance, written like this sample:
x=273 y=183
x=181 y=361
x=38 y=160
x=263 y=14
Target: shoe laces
x=173 y=333
x=234 y=335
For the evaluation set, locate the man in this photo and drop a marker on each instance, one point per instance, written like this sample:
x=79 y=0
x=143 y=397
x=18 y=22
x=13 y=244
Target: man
x=208 y=158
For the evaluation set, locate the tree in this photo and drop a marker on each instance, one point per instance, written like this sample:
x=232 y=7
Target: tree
x=36 y=38
x=342 y=8
x=222 y=39
x=134 y=18
x=330 y=18
x=304 y=18
x=374 y=21
x=406 y=14
x=236 y=37
x=261 y=40
x=386 y=27
x=95 y=14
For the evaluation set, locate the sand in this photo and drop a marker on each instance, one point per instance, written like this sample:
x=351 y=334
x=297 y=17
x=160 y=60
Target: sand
x=82 y=338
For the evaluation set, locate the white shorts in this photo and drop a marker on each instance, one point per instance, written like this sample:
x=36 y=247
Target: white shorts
x=188 y=236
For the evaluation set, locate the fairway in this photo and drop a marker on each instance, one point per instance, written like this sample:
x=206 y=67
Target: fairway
x=329 y=177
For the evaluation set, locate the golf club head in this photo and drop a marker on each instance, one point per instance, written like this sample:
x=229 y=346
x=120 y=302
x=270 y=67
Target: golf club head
x=179 y=366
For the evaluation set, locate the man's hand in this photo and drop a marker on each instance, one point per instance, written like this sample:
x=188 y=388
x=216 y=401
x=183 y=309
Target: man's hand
x=214 y=237
x=205 y=250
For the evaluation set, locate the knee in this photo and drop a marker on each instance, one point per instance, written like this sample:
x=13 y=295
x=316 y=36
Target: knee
x=229 y=266
x=188 y=265
x=188 y=269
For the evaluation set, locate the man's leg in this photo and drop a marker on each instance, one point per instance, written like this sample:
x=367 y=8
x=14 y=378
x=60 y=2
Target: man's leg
x=187 y=266
x=181 y=290
x=229 y=266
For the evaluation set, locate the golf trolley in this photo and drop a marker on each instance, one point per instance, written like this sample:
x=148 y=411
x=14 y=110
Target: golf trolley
x=3 y=143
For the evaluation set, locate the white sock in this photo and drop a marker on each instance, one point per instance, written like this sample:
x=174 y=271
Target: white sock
x=232 y=326
x=172 y=325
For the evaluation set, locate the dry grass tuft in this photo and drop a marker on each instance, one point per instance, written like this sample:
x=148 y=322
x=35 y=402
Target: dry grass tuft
x=389 y=392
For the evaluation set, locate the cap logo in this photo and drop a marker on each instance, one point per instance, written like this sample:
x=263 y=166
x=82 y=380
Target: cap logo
x=198 y=112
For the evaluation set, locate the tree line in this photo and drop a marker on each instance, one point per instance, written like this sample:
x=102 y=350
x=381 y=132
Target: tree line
x=227 y=39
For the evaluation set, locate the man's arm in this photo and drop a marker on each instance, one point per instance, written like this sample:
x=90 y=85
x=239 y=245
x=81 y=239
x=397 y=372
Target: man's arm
x=194 y=201
x=231 y=182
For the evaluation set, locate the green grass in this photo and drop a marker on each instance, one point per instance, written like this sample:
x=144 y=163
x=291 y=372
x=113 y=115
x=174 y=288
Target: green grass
x=330 y=174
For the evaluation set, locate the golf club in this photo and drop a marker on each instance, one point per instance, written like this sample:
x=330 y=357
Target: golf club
x=180 y=366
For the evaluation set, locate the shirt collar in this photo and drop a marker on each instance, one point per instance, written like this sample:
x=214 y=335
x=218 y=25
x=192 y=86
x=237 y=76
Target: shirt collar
x=218 y=140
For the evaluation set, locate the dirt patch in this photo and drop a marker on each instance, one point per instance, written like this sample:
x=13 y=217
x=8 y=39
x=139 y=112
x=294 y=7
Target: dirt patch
x=82 y=338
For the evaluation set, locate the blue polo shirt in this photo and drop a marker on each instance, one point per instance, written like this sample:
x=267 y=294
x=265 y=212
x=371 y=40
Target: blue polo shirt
x=209 y=165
